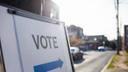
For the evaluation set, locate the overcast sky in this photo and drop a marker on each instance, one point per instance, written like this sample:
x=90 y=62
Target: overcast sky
x=96 y=17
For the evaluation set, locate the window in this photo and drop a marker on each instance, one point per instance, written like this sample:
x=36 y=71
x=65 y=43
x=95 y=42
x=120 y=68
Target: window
x=40 y=7
x=28 y=5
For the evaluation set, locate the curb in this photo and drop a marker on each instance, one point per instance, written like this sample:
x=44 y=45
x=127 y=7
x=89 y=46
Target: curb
x=105 y=67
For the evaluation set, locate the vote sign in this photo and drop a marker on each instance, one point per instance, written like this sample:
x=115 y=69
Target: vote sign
x=42 y=46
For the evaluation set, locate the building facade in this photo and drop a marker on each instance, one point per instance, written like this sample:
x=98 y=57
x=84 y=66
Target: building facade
x=92 y=42
x=75 y=31
x=75 y=35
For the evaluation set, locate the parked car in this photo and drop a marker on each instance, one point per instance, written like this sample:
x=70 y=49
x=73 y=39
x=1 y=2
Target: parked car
x=101 y=48
x=76 y=53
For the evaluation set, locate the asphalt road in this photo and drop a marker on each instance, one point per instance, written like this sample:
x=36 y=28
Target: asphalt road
x=96 y=63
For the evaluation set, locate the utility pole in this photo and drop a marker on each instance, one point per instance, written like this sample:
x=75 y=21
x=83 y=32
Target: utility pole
x=118 y=31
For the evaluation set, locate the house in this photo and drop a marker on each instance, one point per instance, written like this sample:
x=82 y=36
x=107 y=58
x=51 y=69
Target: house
x=76 y=35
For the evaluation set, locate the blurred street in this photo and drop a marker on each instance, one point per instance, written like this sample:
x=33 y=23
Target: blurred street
x=94 y=61
x=1 y=68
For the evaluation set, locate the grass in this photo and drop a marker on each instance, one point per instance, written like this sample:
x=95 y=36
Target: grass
x=126 y=55
x=114 y=60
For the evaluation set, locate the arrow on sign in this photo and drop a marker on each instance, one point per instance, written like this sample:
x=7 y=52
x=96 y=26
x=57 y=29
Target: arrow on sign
x=48 y=66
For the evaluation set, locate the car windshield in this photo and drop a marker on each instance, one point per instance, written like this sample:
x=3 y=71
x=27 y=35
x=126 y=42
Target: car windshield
x=74 y=49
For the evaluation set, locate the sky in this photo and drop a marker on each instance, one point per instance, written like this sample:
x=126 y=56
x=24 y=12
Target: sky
x=96 y=17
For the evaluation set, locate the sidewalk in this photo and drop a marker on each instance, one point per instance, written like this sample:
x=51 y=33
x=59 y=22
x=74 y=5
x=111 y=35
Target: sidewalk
x=119 y=66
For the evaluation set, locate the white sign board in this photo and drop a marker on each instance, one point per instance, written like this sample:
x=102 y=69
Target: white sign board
x=9 y=42
x=42 y=46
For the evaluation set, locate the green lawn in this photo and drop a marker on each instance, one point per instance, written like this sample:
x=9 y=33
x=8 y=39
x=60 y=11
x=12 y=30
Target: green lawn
x=115 y=59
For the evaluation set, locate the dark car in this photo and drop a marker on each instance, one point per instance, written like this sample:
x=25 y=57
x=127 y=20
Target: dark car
x=76 y=53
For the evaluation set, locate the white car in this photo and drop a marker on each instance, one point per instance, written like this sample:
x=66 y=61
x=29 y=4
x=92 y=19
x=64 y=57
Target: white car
x=76 y=53
x=101 y=48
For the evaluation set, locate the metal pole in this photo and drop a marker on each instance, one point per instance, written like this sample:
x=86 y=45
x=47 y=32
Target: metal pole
x=118 y=32
x=41 y=8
